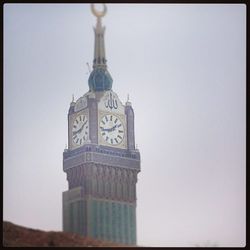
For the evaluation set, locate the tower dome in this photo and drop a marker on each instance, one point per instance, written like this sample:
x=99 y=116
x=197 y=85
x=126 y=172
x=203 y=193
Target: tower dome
x=100 y=80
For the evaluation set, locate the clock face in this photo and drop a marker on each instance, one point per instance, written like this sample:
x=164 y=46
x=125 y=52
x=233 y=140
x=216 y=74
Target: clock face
x=80 y=130
x=111 y=129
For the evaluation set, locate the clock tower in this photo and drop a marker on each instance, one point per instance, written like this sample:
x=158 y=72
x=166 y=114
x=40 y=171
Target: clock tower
x=101 y=161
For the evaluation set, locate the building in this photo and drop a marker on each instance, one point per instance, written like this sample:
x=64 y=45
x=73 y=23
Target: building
x=101 y=162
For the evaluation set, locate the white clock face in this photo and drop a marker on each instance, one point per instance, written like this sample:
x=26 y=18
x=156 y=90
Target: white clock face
x=111 y=129
x=80 y=130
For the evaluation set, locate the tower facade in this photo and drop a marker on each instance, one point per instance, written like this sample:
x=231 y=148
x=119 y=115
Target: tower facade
x=101 y=161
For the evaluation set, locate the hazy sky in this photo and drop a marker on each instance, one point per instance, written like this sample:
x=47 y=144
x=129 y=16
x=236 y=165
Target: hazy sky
x=184 y=67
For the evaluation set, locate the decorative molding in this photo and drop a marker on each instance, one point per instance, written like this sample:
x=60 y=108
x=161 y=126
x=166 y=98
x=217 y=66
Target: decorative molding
x=81 y=103
x=130 y=161
x=103 y=181
x=110 y=102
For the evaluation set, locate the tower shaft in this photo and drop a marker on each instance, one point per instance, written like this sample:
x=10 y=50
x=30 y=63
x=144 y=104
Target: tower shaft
x=99 y=50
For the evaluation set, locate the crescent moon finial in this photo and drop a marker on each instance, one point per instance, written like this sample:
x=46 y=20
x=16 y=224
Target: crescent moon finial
x=97 y=13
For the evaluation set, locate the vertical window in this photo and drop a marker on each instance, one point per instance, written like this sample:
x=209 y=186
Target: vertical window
x=118 y=222
x=126 y=223
x=101 y=219
x=94 y=219
x=113 y=222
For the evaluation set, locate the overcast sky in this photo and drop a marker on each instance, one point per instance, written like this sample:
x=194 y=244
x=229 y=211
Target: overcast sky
x=184 y=67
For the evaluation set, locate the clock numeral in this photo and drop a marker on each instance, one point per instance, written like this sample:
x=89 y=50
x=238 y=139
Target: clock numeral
x=80 y=141
x=101 y=127
x=80 y=117
x=76 y=121
x=116 y=120
x=77 y=140
x=107 y=138
x=84 y=138
x=118 y=126
x=86 y=132
x=116 y=140
x=74 y=137
x=119 y=136
x=106 y=118
x=103 y=122
x=74 y=126
x=111 y=141
x=111 y=118
x=103 y=133
x=120 y=131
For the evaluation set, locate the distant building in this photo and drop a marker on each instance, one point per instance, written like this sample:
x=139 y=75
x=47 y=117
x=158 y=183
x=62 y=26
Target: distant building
x=101 y=161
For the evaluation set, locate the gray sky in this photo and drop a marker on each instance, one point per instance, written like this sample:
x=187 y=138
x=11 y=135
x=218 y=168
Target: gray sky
x=184 y=67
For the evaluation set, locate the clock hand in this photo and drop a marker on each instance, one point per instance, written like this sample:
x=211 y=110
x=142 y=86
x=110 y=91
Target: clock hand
x=112 y=129
x=109 y=129
x=106 y=129
x=75 y=132
x=79 y=130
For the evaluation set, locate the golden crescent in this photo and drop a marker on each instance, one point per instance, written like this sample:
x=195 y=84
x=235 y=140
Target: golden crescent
x=99 y=13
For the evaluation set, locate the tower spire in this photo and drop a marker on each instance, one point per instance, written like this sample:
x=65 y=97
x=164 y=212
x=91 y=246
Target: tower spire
x=99 y=51
x=99 y=79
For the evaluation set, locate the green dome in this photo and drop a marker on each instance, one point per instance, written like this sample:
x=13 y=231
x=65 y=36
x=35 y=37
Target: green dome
x=100 y=80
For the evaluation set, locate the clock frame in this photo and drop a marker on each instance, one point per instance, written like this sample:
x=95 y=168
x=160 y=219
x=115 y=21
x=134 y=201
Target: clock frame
x=79 y=129
x=112 y=129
